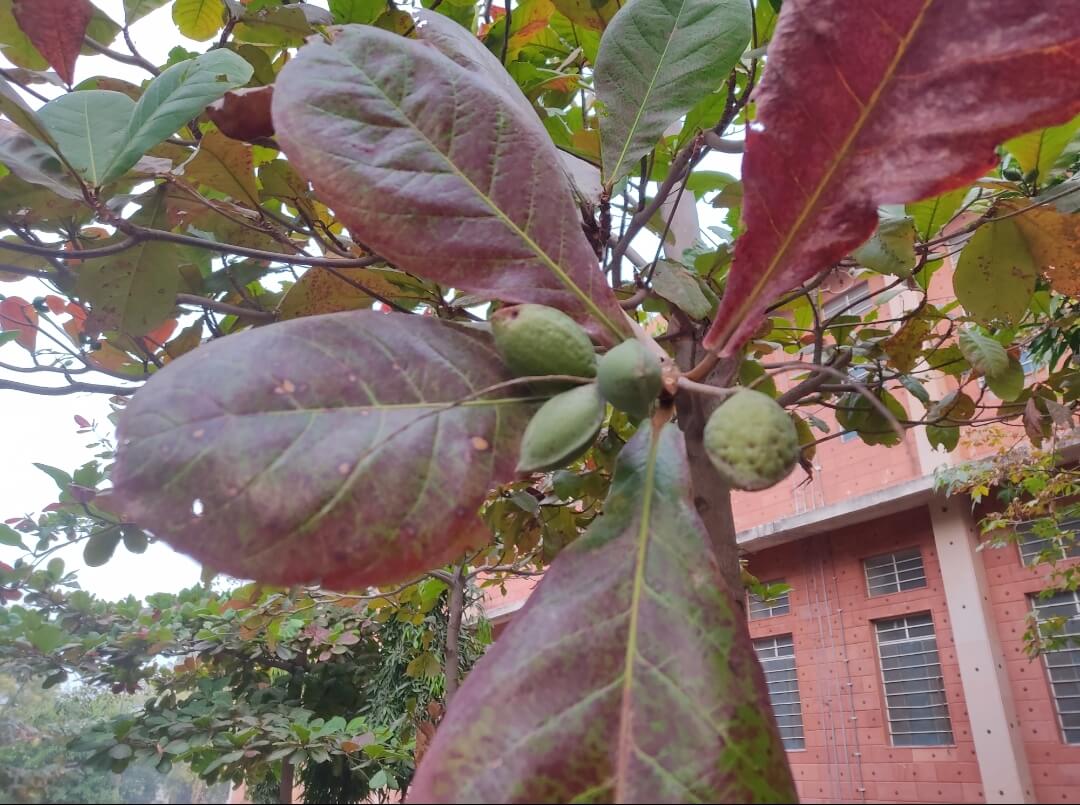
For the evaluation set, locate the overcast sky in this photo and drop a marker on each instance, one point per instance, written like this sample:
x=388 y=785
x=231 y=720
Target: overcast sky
x=43 y=429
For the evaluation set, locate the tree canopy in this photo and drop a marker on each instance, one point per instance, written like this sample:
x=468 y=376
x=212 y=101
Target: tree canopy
x=280 y=253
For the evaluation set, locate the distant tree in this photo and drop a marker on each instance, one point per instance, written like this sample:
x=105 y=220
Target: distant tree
x=290 y=254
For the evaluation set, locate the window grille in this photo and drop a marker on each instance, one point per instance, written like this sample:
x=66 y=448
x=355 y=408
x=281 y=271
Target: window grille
x=777 y=657
x=1032 y=545
x=1063 y=665
x=895 y=572
x=914 y=686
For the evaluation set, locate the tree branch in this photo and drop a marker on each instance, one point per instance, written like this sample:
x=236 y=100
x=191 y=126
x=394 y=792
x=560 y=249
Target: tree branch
x=224 y=307
x=452 y=656
x=73 y=387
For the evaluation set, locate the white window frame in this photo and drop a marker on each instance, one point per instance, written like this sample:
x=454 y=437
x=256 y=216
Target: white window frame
x=914 y=621
x=901 y=563
x=1068 y=720
x=781 y=668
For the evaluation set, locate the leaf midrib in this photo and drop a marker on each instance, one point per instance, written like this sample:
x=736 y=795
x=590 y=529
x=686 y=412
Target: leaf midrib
x=626 y=738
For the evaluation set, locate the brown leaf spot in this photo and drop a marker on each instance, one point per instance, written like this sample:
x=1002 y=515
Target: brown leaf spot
x=479 y=443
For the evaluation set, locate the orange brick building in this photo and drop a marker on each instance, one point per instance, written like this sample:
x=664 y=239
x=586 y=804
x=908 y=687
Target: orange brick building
x=896 y=664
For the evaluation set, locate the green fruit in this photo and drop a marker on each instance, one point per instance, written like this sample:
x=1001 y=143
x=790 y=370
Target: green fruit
x=752 y=441
x=537 y=340
x=629 y=377
x=563 y=429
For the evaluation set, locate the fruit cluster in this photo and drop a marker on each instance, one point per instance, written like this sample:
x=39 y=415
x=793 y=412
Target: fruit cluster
x=750 y=439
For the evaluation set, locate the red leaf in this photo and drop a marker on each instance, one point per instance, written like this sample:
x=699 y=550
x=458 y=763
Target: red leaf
x=445 y=175
x=882 y=102
x=82 y=421
x=19 y=315
x=56 y=28
x=244 y=114
x=628 y=676
x=336 y=456
x=55 y=303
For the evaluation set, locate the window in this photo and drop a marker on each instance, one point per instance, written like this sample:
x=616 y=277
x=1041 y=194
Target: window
x=1033 y=543
x=777 y=605
x=1063 y=664
x=914 y=687
x=777 y=657
x=895 y=572
x=1028 y=362
x=855 y=301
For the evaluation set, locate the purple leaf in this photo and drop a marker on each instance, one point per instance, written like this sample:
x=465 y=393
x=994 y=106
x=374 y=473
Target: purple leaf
x=435 y=166
x=628 y=676
x=324 y=448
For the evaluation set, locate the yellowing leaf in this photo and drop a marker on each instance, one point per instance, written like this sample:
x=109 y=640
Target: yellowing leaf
x=225 y=165
x=1053 y=239
x=905 y=345
x=591 y=14
x=199 y=19
x=322 y=290
x=995 y=275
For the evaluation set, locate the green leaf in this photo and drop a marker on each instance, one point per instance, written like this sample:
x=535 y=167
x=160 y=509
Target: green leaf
x=917 y=389
x=944 y=436
x=995 y=275
x=30 y=161
x=16 y=110
x=681 y=288
x=174 y=98
x=1039 y=150
x=47 y=638
x=361 y=11
x=984 y=353
x=176 y=747
x=470 y=168
x=344 y=418
x=891 y=249
x=1008 y=384
x=647 y=688
x=135 y=291
x=378 y=780
x=100 y=546
x=60 y=478
x=855 y=413
x=90 y=129
x=121 y=752
x=137 y=9
x=199 y=19
x=657 y=59
x=9 y=536
x=933 y=213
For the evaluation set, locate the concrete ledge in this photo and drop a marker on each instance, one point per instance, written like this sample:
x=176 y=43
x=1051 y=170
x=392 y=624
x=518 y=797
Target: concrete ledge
x=861 y=509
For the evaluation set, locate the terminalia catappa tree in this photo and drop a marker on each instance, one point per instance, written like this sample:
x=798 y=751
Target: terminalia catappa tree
x=345 y=195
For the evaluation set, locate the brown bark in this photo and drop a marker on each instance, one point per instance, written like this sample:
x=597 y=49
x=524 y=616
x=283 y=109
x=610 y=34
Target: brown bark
x=285 y=787
x=712 y=496
x=453 y=633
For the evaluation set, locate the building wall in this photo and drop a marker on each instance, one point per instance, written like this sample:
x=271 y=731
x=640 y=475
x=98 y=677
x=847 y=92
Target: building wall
x=1055 y=766
x=848 y=755
x=848 y=746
